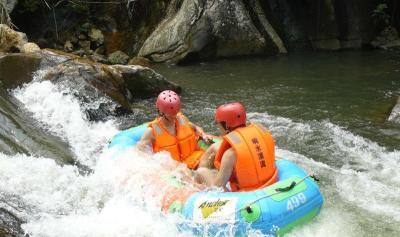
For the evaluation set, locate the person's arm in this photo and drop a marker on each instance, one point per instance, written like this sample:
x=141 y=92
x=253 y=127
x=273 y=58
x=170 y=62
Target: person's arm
x=225 y=172
x=207 y=160
x=206 y=176
x=200 y=132
x=146 y=140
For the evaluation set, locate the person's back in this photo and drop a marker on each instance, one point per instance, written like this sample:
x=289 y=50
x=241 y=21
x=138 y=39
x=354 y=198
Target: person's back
x=255 y=166
x=246 y=155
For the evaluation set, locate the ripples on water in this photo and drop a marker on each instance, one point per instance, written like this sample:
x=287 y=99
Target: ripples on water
x=359 y=177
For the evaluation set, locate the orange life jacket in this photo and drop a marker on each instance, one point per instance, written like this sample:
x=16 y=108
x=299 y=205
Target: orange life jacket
x=255 y=158
x=183 y=147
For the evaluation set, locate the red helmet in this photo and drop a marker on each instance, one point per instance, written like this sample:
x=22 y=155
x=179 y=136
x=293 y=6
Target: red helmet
x=233 y=114
x=168 y=102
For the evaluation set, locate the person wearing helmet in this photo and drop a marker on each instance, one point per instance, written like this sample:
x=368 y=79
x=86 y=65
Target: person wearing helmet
x=171 y=131
x=245 y=157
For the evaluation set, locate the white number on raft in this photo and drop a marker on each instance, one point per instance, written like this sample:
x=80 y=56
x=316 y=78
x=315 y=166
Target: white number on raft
x=295 y=201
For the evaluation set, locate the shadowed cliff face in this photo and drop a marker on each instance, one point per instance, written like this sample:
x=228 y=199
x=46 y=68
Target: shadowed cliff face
x=201 y=29
x=184 y=31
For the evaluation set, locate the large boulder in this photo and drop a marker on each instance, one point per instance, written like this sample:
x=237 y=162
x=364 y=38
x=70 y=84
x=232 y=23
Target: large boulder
x=17 y=68
x=143 y=82
x=30 y=48
x=102 y=89
x=204 y=28
x=11 y=40
x=395 y=114
x=10 y=225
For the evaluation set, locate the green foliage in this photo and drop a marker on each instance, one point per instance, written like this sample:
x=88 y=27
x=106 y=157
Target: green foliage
x=380 y=15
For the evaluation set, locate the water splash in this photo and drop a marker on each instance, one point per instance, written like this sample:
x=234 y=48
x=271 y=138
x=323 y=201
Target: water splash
x=115 y=199
x=362 y=173
x=58 y=111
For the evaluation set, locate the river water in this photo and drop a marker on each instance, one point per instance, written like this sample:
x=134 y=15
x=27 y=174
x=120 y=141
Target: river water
x=326 y=111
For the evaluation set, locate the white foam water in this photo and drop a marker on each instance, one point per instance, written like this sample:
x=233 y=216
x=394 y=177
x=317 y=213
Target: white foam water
x=365 y=175
x=58 y=111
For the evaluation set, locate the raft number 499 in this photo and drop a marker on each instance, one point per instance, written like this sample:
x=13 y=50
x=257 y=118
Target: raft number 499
x=295 y=201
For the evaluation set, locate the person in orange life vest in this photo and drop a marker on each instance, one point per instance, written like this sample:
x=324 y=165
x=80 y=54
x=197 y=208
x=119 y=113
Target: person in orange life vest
x=245 y=157
x=171 y=131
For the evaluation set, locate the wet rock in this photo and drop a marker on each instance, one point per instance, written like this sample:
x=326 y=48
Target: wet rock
x=10 y=225
x=82 y=37
x=68 y=46
x=395 y=114
x=139 y=61
x=388 y=39
x=11 y=39
x=30 y=48
x=203 y=29
x=74 y=40
x=100 y=50
x=118 y=57
x=79 y=52
x=103 y=90
x=143 y=82
x=16 y=69
x=85 y=45
x=98 y=58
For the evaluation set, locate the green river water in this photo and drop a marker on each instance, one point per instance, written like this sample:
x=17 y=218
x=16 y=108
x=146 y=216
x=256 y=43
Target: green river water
x=355 y=90
x=325 y=110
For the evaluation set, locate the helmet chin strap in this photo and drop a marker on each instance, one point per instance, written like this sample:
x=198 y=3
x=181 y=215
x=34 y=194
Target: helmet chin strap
x=226 y=128
x=162 y=115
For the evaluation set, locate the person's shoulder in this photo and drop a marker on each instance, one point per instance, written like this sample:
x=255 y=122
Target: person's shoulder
x=230 y=152
x=148 y=133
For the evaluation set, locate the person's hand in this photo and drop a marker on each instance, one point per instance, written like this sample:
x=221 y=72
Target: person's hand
x=207 y=138
x=144 y=147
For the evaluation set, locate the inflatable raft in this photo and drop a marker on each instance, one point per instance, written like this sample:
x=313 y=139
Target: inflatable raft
x=293 y=200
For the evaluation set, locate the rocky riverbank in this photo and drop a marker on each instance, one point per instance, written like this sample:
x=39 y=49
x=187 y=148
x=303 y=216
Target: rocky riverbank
x=179 y=31
x=112 y=87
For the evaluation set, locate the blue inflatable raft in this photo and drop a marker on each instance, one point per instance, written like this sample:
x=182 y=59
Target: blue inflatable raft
x=293 y=200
